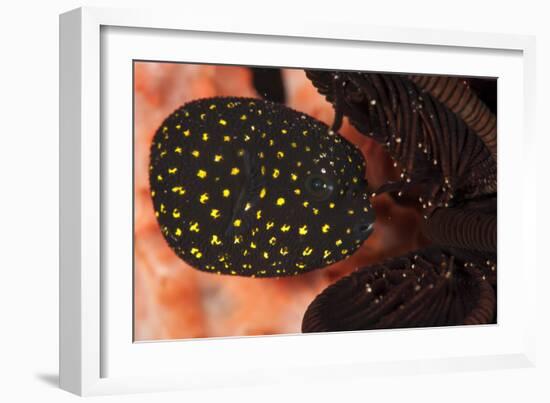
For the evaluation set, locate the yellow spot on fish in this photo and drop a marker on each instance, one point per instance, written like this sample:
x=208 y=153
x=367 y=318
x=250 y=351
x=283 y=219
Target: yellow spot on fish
x=205 y=137
x=307 y=251
x=293 y=176
x=263 y=193
x=247 y=206
x=293 y=145
x=351 y=212
x=325 y=228
x=304 y=132
x=198 y=255
x=300 y=265
x=179 y=190
x=177 y=150
x=280 y=201
x=302 y=230
x=246 y=137
x=187 y=133
x=284 y=131
x=326 y=254
x=344 y=252
x=223 y=122
x=297 y=191
x=315 y=211
x=280 y=154
x=269 y=225
x=153 y=193
x=348 y=230
x=243 y=117
x=276 y=173
x=164 y=129
x=203 y=116
x=215 y=213
x=331 y=205
x=195 y=153
x=305 y=204
x=338 y=242
x=271 y=142
x=176 y=213
x=252 y=245
x=226 y=192
x=215 y=240
x=178 y=232
x=162 y=208
x=226 y=139
x=235 y=171
x=212 y=107
x=159 y=178
x=237 y=239
x=258 y=214
x=217 y=158
x=266 y=255
x=283 y=251
x=237 y=223
x=203 y=198
x=285 y=228
x=172 y=171
x=178 y=127
x=272 y=240
x=194 y=226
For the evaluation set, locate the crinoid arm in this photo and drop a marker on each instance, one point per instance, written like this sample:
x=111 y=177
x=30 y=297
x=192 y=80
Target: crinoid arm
x=427 y=288
x=433 y=127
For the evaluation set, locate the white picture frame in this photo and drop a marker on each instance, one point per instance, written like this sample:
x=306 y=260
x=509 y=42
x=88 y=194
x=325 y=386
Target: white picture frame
x=97 y=356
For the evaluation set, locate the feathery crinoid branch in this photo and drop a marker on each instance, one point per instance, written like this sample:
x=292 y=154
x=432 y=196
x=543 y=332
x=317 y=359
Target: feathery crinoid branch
x=433 y=136
x=428 y=288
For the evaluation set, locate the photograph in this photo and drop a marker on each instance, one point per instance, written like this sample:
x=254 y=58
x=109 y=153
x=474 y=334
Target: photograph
x=275 y=200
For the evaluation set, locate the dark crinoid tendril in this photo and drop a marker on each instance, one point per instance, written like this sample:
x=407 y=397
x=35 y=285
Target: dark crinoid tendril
x=429 y=288
x=457 y=96
x=436 y=128
x=470 y=225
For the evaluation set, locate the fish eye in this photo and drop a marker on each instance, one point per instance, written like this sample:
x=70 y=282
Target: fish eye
x=319 y=187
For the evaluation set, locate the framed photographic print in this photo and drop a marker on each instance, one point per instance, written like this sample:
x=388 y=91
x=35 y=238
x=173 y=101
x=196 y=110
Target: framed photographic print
x=236 y=207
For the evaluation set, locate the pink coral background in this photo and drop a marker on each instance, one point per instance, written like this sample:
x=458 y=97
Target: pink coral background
x=175 y=301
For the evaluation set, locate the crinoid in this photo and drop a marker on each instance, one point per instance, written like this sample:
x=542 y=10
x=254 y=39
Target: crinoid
x=443 y=136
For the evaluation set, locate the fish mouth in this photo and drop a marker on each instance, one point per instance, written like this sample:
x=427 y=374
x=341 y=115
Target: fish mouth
x=364 y=229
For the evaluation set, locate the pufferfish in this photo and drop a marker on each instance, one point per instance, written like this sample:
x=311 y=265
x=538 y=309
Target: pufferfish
x=249 y=187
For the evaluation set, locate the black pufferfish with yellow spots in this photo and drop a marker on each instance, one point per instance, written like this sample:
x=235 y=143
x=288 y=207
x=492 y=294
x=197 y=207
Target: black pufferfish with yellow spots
x=250 y=187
